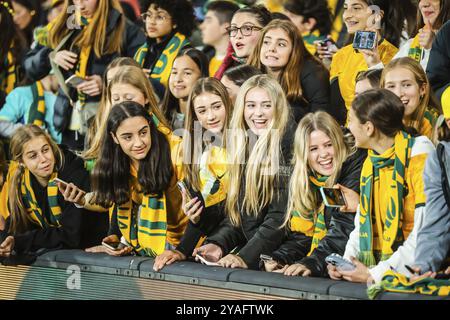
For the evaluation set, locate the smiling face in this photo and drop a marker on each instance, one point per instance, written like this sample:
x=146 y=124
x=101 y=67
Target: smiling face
x=356 y=14
x=86 y=7
x=133 y=136
x=258 y=110
x=402 y=82
x=358 y=130
x=38 y=157
x=243 y=45
x=126 y=92
x=183 y=76
x=210 y=111
x=321 y=153
x=430 y=10
x=276 y=49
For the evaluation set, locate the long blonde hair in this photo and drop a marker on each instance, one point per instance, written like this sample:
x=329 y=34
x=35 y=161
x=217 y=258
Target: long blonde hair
x=289 y=77
x=133 y=76
x=95 y=34
x=19 y=217
x=301 y=197
x=192 y=149
x=260 y=165
x=427 y=101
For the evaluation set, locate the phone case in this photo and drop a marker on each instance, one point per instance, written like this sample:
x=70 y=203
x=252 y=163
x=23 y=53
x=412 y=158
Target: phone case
x=339 y=262
x=325 y=201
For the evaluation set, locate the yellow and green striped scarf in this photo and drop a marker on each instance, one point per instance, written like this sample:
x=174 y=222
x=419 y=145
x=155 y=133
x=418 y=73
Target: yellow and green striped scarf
x=397 y=282
x=8 y=77
x=37 y=111
x=83 y=60
x=309 y=38
x=163 y=66
x=316 y=229
x=146 y=231
x=214 y=176
x=397 y=156
x=29 y=199
x=429 y=119
x=415 y=50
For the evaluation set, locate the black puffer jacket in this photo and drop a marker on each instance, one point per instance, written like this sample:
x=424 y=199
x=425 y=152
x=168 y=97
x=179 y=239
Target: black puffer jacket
x=79 y=228
x=37 y=63
x=261 y=234
x=315 y=82
x=339 y=225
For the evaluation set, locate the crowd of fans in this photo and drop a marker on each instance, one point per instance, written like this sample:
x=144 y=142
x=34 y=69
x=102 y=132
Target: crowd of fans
x=178 y=128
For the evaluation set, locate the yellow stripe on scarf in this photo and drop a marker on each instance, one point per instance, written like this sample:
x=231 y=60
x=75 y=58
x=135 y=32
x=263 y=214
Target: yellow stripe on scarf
x=32 y=206
x=316 y=228
x=83 y=61
x=415 y=49
x=399 y=283
x=390 y=229
x=163 y=66
x=39 y=114
x=428 y=122
x=10 y=80
x=145 y=230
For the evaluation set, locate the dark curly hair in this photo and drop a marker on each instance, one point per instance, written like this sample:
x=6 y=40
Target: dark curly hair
x=181 y=12
x=262 y=15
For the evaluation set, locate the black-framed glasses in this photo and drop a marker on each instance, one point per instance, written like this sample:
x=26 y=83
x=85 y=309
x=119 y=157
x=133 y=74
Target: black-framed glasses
x=246 y=30
x=159 y=18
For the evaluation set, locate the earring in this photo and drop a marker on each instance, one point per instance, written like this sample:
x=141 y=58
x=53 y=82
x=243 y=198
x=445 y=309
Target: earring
x=32 y=13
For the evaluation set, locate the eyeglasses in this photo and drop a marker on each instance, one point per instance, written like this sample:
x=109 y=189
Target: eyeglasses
x=246 y=30
x=159 y=18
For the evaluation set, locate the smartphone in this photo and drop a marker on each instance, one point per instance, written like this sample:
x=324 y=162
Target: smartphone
x=442 y=276
x=365 y=40
x=208 y=263
x=339 y=262
x=333 y=197
x=115 y=246
x=74 y=80
x=61 y=181
x=182 y=186
x=328 y=42
x=265 y=258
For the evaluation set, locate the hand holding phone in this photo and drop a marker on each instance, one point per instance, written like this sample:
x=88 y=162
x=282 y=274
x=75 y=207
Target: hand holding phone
x=114 y=246
x=333 y=197
x=74 y=81
x=339 y=262
x=204 y=261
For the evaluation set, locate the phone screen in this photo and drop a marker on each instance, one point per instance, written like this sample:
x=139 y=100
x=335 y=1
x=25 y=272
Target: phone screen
x=333 y=197
x=113 y=245
x=182 y=186
x=365 y=40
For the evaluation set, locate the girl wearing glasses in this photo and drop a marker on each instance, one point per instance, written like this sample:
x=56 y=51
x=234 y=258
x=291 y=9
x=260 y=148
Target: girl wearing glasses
x=244 y=32
x=281 y=53
x=168 y=24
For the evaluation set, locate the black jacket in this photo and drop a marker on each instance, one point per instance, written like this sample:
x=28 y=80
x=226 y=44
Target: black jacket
x=79 y=227
x=339 y=225
x=261 y=234
x=438 y=69
x=37 y=64
x=315 y=82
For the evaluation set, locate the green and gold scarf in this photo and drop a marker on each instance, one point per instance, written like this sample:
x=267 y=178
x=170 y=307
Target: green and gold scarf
x=415 y=50
x=316 y=228
x=37 y=111
x=163 y=67
x=397 y=156
x=29 y=199
x=397 y=282
x=83 y=60
x=146 y=231
x=8 y=77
